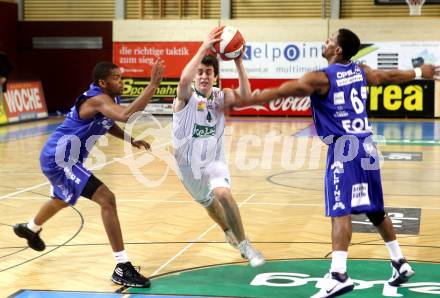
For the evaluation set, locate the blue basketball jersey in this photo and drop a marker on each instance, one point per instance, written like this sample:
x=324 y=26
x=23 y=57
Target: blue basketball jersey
x=66 y=149
x=75 y=137
x=352 y=179
x=343 y=110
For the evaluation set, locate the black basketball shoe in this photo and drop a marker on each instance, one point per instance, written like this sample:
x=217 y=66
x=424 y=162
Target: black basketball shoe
x=125 y=274
x=33 y=239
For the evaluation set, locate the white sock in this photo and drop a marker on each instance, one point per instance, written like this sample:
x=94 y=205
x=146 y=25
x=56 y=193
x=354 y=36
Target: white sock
x=121 y=256
x=33 y=227
x=243 y=244
x=339 y=261
x=394 y=250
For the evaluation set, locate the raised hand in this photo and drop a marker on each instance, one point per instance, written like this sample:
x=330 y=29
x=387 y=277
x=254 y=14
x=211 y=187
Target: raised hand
x=212 y=38
x=430 y=71
x=157 y=71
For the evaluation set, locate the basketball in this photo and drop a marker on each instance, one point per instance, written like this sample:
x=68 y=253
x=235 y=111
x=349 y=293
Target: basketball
x=231 y=44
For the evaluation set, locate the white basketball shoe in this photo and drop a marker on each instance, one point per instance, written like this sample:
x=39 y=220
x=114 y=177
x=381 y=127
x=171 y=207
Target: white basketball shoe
x=334 y=284
x=251 y=254
x=402 y=271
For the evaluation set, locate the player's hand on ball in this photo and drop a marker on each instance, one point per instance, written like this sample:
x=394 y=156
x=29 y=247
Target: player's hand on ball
x=212 y=38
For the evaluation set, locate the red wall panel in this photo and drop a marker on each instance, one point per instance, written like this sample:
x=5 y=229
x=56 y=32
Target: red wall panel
x=8 y=31
x=65 y=73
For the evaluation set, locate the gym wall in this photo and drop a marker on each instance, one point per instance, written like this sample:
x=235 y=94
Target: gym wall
x=383 y=29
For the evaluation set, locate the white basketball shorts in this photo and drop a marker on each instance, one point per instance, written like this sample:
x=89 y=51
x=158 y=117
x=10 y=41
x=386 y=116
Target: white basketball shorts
x=201 y=182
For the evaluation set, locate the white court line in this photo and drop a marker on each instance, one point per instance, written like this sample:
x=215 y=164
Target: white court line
x=23 y=190
x=191 y=244
x=46 y=183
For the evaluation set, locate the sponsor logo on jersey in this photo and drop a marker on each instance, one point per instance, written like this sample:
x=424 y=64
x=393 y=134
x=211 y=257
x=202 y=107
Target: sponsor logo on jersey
x=71 y=176
x=201 y=105
x=338 y=98
x=338 y=168
x=349 y=77
x=357 y=125
x=340 y=114
x=106 y=123
x=203 y=131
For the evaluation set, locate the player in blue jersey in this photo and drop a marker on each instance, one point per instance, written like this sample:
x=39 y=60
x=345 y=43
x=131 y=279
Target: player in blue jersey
x=5 y=69
x=93 y=115
x=352 y=181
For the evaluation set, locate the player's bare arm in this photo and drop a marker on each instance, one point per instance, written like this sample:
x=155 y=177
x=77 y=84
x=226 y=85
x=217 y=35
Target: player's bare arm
x=105 y=105
x=119 y=133
x=312 y=82
x=189 y=72
x=244 y=87
x=379 y=77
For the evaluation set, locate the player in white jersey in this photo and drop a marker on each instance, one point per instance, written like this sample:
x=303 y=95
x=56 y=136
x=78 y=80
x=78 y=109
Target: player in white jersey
x=198 y=127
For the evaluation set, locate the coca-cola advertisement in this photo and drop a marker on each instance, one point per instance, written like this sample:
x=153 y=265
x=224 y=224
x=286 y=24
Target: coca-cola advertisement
x=289 y=106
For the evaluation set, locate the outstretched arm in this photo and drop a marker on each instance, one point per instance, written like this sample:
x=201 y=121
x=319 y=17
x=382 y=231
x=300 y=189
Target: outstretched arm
x=118 y=132
x=311 y=82
x=105 y=105
x=189 y=72
x=378 y=77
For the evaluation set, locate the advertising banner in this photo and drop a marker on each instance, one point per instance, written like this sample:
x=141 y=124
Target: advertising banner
x=269 y=64
x=25 y=101
x=3 y=116
x=135 y=58
x=277 y=60
x=414 y=99
x=161 y=103
x=402 y=55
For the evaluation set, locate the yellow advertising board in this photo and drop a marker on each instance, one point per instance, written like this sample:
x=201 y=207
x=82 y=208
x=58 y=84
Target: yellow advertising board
x=3 y=116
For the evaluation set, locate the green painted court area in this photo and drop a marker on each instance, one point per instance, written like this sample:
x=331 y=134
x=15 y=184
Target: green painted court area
x=293 y=278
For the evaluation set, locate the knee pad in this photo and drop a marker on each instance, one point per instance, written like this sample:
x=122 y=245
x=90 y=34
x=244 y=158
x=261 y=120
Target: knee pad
x=376 y=218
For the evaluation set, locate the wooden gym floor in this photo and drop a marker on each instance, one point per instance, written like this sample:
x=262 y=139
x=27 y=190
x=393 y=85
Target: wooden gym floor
x=280 y=193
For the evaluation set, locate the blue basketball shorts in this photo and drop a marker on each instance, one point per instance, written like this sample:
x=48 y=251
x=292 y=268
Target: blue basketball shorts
x=352 y=179
x=67 y=183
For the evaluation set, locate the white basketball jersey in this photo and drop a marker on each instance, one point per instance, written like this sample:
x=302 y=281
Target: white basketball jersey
x=198 y=130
